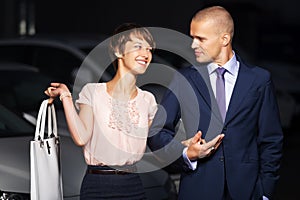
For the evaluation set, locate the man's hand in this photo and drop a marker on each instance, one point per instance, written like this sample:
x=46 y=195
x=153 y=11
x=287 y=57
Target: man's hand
x=199 y=148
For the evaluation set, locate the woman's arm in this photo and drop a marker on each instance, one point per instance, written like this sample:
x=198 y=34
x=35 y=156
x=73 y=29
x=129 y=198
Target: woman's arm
x=80 y=124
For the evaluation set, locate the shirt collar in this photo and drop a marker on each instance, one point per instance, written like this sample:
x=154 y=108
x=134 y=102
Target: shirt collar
x=231 y=66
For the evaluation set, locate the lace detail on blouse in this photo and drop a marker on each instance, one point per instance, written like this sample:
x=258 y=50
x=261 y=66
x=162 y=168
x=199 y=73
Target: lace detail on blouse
x=124 y=116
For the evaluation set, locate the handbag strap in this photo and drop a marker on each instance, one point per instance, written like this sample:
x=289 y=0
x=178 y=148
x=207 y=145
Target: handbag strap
x=52 y=122
x=41 y=119
x=37 y=135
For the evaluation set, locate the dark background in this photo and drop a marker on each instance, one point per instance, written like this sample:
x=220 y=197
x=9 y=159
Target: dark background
x=265 y=30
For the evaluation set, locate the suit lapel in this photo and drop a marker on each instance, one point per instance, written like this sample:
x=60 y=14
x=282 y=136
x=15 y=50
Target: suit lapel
x=200 y=79
x=243 y=84
x=202 y=83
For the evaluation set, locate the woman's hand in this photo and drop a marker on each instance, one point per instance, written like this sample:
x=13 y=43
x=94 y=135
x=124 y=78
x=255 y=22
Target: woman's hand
x=56 y=89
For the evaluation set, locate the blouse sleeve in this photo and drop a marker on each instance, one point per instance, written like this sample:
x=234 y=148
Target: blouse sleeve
x=152 y=107
x=85 y=96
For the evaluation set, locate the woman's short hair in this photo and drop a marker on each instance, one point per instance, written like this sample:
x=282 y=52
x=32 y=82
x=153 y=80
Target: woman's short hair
x=122 y=34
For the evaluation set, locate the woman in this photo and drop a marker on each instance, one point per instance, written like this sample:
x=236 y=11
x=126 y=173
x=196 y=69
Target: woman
x=113 y=119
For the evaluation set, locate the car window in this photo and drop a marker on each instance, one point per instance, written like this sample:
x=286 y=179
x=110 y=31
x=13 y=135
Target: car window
x=53 y=62
x=13 y=125
x=22 y=86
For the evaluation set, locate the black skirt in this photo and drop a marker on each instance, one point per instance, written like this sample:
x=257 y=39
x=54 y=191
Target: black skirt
x=126 y=186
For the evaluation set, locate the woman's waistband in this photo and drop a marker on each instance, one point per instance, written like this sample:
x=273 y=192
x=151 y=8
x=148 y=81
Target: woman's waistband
x=110 y=170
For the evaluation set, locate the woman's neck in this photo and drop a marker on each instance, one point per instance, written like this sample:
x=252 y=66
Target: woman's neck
x=122 y=87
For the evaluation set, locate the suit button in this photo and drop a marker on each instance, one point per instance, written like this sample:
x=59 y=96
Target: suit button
x=221 y=159
x=224 y=128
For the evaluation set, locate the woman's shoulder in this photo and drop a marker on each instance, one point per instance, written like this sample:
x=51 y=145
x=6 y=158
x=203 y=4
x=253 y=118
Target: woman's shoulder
x=90 y=86
x=148 y=96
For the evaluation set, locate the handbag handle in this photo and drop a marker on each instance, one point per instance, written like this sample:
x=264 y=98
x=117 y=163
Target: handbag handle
x=38 y=122
x=52 y=123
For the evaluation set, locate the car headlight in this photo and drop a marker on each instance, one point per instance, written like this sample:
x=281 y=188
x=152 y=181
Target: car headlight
x=13 y=196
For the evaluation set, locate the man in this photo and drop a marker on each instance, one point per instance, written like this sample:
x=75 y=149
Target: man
x=242 y=162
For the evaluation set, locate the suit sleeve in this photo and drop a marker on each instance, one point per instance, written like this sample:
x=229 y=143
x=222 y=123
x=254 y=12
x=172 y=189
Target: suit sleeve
x=162 y=134
x=270 y=140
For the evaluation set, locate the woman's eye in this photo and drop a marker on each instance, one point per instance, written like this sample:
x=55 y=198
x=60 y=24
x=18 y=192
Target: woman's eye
x=138 y=47
x=150 y=49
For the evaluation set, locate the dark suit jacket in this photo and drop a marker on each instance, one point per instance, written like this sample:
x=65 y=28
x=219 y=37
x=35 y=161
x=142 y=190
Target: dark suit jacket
x=248 y=159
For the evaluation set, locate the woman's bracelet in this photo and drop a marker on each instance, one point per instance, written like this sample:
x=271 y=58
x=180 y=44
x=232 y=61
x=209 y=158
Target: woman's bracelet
x=65 y=94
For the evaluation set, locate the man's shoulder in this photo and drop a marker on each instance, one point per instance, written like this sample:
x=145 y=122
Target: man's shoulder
x=260 y=72
x=187 y=70
x=253 y=67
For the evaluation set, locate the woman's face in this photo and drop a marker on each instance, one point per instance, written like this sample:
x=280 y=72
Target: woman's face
x=137 y=55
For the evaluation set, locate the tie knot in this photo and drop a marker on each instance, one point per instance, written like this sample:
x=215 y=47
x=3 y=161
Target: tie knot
x=221 y=71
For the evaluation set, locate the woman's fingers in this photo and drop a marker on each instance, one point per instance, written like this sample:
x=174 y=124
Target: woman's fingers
x=50 y=100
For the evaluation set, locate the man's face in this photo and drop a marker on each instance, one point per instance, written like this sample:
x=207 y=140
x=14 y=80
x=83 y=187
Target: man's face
x=207 y=42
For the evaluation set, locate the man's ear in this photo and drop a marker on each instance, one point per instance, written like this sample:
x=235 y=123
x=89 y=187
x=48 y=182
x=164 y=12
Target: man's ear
x=226 y=39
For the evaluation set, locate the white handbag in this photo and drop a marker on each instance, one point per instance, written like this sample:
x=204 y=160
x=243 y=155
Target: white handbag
x=45 y=167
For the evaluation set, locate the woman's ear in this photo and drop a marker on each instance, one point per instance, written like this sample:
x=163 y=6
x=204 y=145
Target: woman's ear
x=117 y=52
x=118 y=55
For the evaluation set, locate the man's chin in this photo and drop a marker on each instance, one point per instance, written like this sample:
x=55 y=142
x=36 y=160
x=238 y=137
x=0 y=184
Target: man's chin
x=203 y=61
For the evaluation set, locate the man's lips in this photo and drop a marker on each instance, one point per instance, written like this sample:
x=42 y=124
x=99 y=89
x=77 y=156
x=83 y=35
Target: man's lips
x=198 y=53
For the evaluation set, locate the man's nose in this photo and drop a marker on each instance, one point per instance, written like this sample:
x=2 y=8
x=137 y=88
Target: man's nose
x=194 y=44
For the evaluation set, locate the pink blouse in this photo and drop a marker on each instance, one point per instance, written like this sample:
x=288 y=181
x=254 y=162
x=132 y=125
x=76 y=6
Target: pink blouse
x=120 y=128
